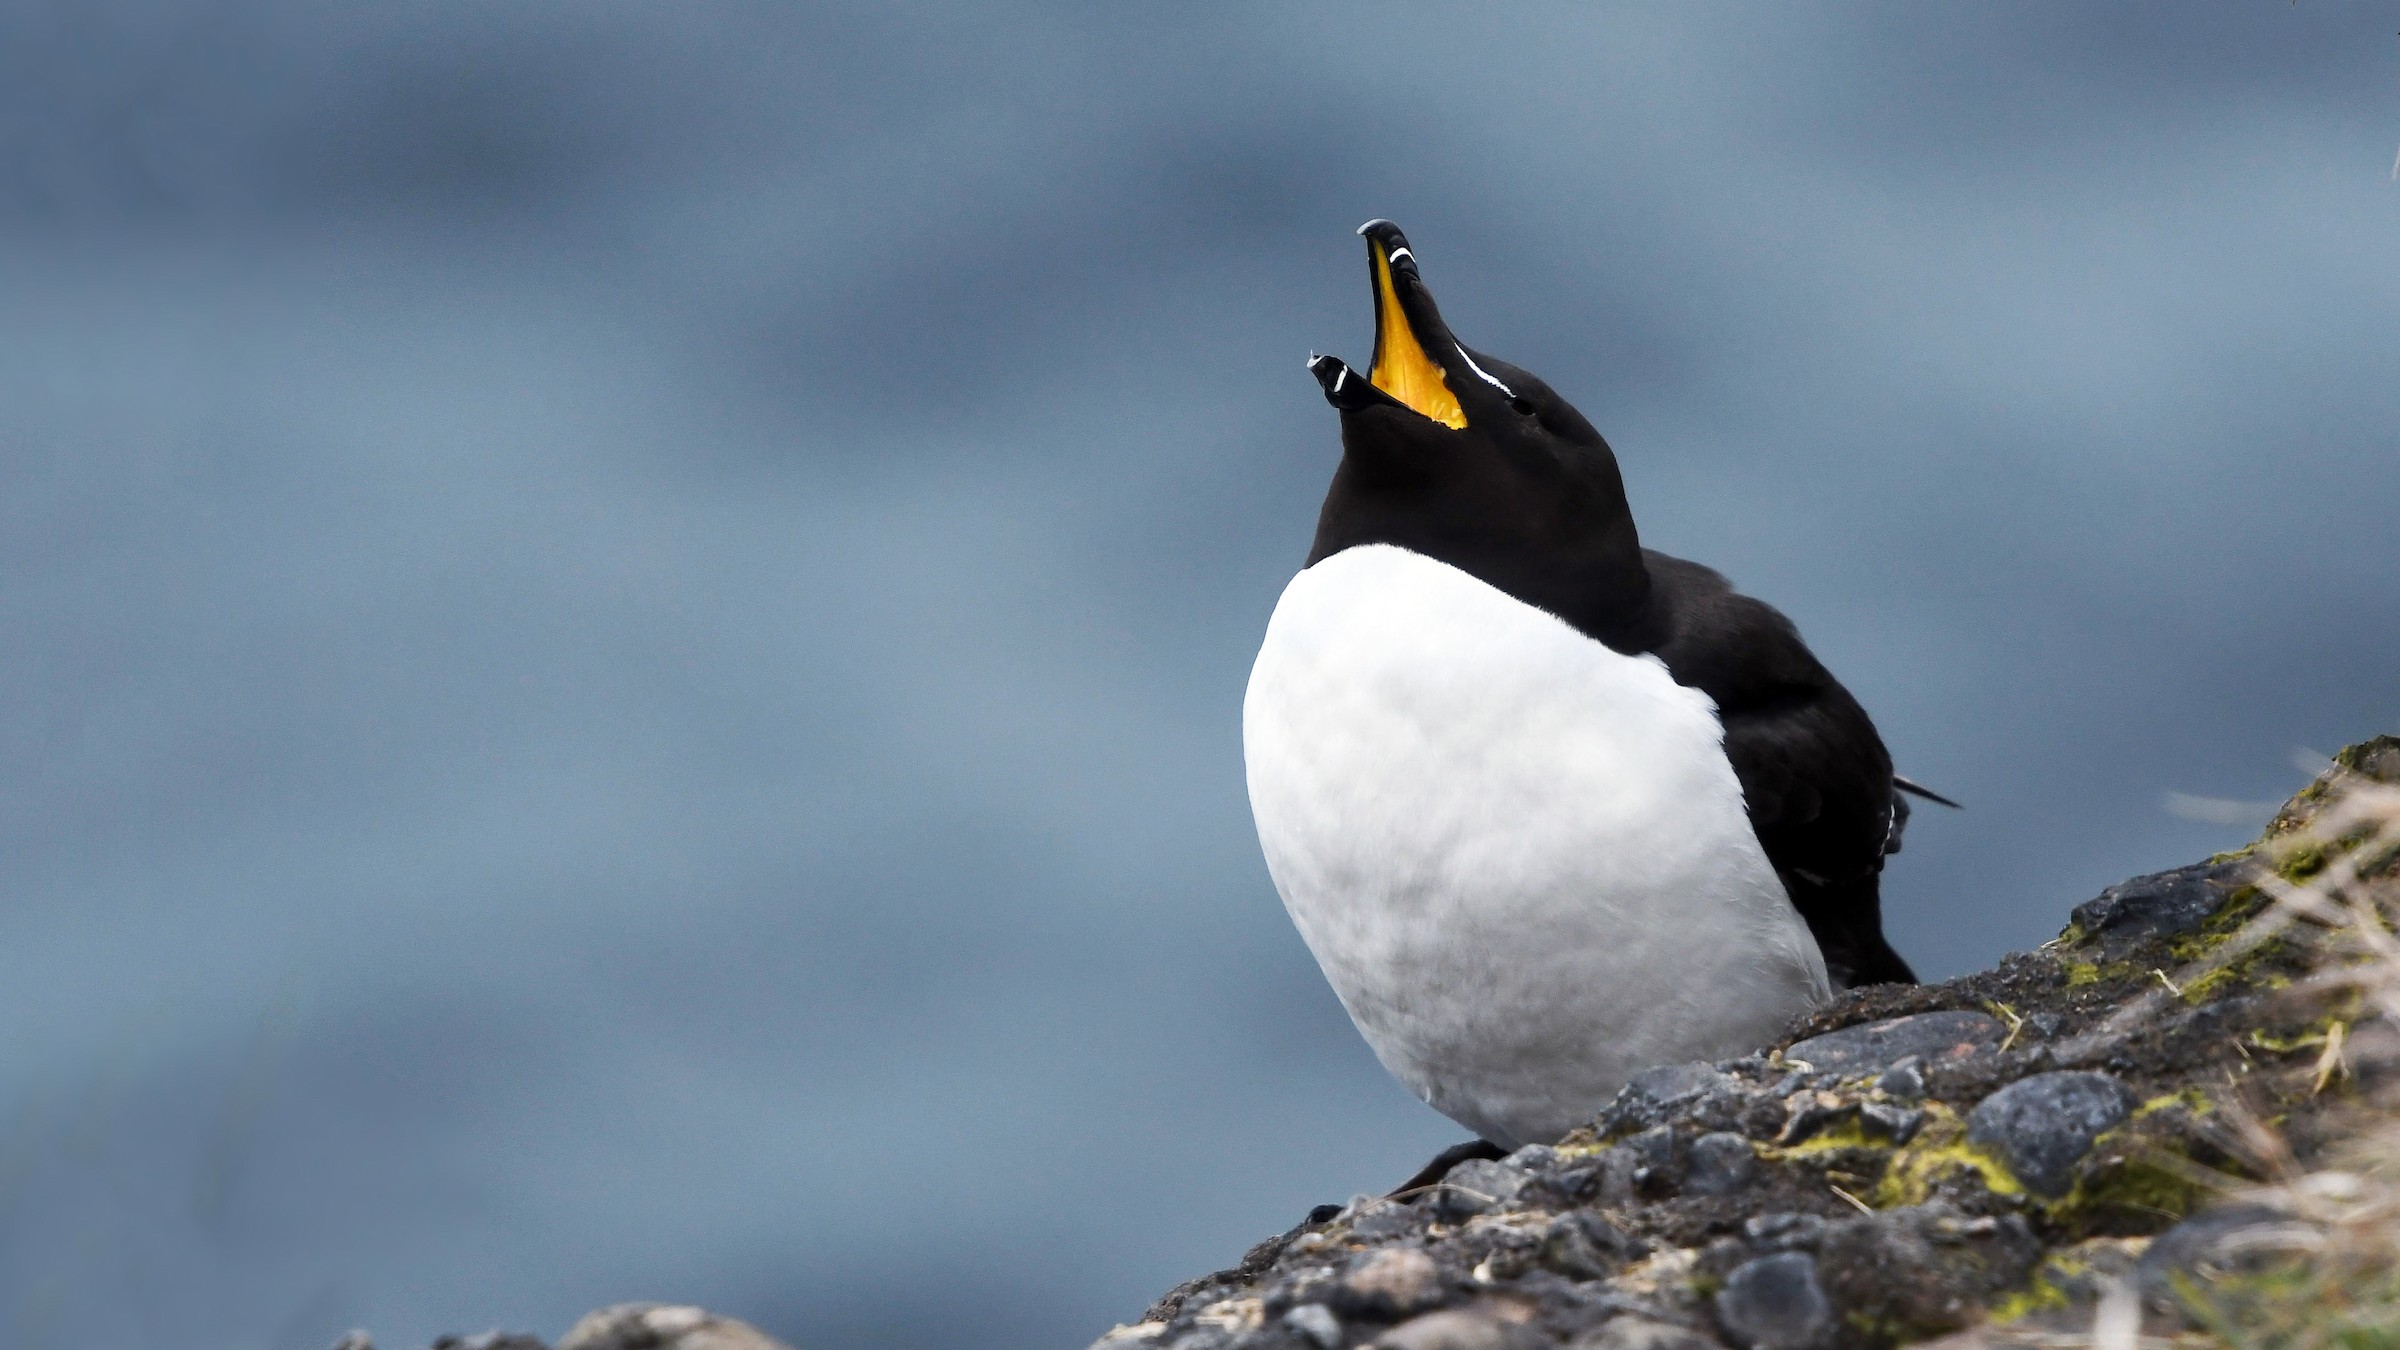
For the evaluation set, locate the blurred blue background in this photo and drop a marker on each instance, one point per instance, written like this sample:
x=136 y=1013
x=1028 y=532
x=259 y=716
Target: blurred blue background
x=626 y=623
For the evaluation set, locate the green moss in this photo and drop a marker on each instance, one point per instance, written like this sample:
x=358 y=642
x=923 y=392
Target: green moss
x=2046 y=1289
x=2081 y=973
x=2193 y=1099
x=1939 y=1150
x=2135 y=1189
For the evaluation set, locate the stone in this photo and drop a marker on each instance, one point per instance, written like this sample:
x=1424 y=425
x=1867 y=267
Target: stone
x=1720 y=1164
x=1787 y=1231
x=2043 y=1125
x=1584 y=1246
x=490 y=1340
x=664 y=1326
x=355 y=1340
x=1924 y=1267
x=2163 y=904
x=1315 y=1323
x=1633 y=1332
x=1657 y=1093
x=1374 y=1218
x=1886 y=1121
x=1931 y=1036
x=1477 y=1186
x=1457 y=1329
x=1775 y=1303
x=1532 y=1158
x=1388 y=1284
x=1904 y=1080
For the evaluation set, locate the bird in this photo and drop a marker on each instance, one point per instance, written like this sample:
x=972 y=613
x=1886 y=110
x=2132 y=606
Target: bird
x=1548 y=807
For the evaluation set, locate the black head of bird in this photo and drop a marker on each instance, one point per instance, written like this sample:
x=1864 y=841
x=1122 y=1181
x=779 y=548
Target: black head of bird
x=1457 y=454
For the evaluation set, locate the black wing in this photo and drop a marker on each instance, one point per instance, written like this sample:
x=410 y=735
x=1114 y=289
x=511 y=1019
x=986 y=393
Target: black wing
x=1814 y=773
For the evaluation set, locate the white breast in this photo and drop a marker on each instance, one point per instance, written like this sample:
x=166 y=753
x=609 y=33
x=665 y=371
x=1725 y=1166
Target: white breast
x=1521 y=857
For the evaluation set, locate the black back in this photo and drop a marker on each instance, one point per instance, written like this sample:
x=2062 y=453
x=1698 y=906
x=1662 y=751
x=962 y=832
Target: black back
x=1527 y=497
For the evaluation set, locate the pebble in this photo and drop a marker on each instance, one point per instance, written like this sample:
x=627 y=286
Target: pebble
x=1376 y=1219
x=1388 y=1284
x=1477 y=1186
x=660 y=1326
x=1904 y=1080
x=2043 y=1125
x=1316 y=1323
x=1584 y=1246
x=1457 y=1330
x=1879 y=1045
x=1775 y=1303
x=1784 y=1230
x=1640 y=1333
x=1721 y=1164
x=1657 y=1094
x=1896 y=1123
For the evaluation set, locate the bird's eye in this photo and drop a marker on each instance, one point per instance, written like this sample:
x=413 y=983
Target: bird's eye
x=1524 y=406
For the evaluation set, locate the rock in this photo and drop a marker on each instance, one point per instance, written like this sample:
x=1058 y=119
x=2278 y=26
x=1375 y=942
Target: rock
x=1924 y=1268
x=1640 y=1333
x=1904 y=1080
x=1457 y=1329
x=1886 y=1121
x=1315 y=1323
x=490 y=1340
x=1799 y=1232
x=1476 y=1187
x=355 y=1340
x=1659 y=1093
x=1584 y=1246
x=1775 y=1303
x=1720 y=1164
x=664 y=1326
x=2164 y=904
x=1720 y=1202
x=1879 y=1045
x=2043 y=1125
x=1372 y=1218
x=1388 y=1284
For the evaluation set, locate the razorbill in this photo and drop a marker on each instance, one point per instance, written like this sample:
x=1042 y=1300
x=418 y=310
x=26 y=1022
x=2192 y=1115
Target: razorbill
x=1547 y=806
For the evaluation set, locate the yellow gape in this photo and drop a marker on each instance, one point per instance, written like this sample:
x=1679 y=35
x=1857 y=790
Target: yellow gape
x=1402 y=369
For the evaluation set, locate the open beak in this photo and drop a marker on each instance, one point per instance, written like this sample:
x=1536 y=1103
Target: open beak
x=1401 y=368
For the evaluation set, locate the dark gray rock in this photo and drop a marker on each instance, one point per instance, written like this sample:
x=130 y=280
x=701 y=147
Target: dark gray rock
x=1904 y=1080
x=1664 y=1093
x=1382 y=1219
x=1929 y=1036
x=491 y=1340
x=1924 y=1267
x=1477 y=1186
x=1788 y=1232
x=1886 y=1121
x=2164 y=904
x=2043 y=1125
x=1586 y=1246
x=1720 y=1165
x=1776 y=1303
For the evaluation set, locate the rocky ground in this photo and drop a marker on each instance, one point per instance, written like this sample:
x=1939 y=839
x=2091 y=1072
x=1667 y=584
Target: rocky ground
x=1992 y=1151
